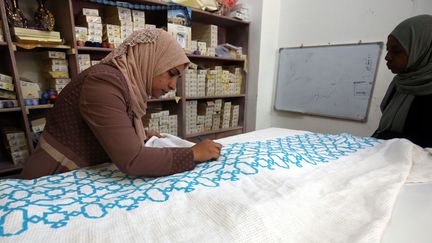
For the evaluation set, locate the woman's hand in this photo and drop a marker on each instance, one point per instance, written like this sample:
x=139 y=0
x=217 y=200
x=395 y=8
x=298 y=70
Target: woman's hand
x=150 y=134
x=206 y=150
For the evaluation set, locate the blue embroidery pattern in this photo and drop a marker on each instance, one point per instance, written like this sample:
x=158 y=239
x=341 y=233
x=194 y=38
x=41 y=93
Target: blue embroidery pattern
x=92 y=193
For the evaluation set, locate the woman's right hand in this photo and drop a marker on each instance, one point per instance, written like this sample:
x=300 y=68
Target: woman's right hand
x=206 y=150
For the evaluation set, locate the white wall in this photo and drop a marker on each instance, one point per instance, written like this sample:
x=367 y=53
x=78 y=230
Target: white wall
x=289 y=23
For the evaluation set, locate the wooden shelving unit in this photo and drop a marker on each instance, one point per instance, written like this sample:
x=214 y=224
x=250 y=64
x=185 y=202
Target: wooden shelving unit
x=230 y=30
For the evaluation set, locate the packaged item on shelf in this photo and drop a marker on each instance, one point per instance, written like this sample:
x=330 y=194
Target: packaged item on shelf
x=30 y=90
x=138 y=20
x=121 y=17
x=5 y=78
x=6 y=86
x=161 y=122
x=58 y=84
x=182 y=34
x=26 y=35
x=54 y=55
x=8 y=103
x=38 y=125
x=90 y=12
x=207 y=33
x=16 y=144
x=229 y=51
x=84 y=61
x=81 y=35
x=90 y=28
x=179 y=26
x=8 y=95
x=241 y=12
x=111 y=35
x=56 y=69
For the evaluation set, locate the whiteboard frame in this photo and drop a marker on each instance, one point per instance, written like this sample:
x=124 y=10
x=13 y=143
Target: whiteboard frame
x=364 y=119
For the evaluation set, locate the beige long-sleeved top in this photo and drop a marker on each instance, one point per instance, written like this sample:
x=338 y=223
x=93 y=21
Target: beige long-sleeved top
x=92 y=123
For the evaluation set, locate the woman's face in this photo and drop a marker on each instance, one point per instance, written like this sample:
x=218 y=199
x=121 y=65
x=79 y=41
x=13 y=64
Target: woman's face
x=166 y=81
x=397 y=58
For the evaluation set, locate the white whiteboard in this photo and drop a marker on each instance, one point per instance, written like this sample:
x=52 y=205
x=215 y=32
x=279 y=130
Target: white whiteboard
x=334 y=80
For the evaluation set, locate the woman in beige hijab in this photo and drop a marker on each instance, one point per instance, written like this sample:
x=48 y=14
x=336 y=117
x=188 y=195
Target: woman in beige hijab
x=97 y=118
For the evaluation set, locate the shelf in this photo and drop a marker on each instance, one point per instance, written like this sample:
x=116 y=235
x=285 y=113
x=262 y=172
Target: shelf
x=213 y=132
x=210 y=18
x=40 y=106
x=43 y=46
x=10 y=109
x=215 y=58
x=203 y=16
x=9 y=167
x=164 y=100
x=34 y=107
x=89 y=48
x=215 y=97
x=2 y=43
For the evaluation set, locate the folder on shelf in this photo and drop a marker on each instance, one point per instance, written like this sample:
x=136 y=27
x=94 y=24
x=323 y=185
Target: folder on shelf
x=31 y=36
x=36 y=33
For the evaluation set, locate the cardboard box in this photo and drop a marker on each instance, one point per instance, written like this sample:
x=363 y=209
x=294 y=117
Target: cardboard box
x=9 y=95
x=5 y=78
x=30 y=90
x=7 y=86
x=90 y=12
x=55 y=55
x=182 y=34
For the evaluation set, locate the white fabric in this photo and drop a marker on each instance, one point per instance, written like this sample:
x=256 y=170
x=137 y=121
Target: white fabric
x=349 y=199
x=167 y=140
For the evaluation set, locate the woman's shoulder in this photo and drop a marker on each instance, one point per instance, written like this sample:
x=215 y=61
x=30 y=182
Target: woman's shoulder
x=103 y=69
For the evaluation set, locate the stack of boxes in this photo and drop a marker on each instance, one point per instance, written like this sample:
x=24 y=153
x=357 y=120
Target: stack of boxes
x=91 y=20
x=235 y=109
x=206 y=37
x=191 y=82
x=138 y=20
x=57 y=69
x=219 y=88
x=206 y=110
x=121 y=17
x=16 y=144
x=118 y=23
x=217 y=114
x=111 y=35
x=161 y=122
x=210 y=115
x=80 y=35
x=226 y=115
x=84 y=61
x=7 y=94
x=191 y=116
x=213 y=82
x=201 y=82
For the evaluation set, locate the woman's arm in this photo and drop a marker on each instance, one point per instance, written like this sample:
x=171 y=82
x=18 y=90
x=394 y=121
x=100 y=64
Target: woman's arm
x=104 y=108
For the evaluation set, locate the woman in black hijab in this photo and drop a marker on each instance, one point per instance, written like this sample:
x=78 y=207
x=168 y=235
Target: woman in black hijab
x=407 y=105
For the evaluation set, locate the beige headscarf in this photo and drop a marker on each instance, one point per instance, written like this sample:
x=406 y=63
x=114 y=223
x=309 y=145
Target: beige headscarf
x=142 y=56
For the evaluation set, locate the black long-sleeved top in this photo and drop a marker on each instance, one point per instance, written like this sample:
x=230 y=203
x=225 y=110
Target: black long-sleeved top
x=418 y=125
